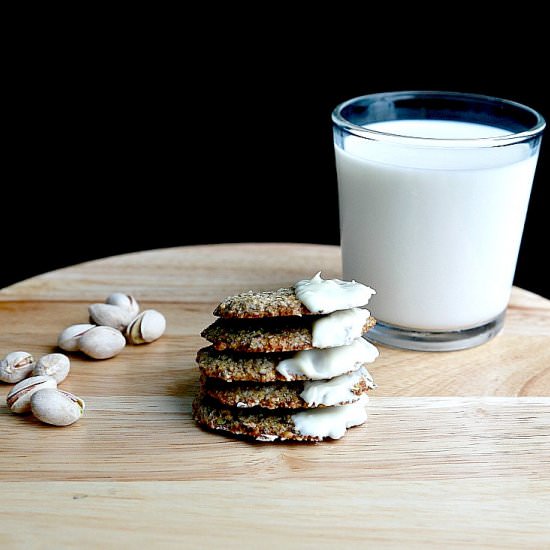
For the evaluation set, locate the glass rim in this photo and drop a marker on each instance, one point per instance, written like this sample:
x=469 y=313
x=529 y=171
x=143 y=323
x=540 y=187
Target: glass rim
x=495 y=141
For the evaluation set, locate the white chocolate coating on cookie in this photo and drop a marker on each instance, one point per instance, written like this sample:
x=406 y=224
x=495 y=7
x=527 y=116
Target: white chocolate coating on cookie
x=336 y=390
x=330 y=421
x=321 y=364
x=328 y=295
x=340 y=328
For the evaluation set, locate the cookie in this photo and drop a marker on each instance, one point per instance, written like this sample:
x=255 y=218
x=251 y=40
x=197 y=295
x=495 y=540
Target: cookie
x=340 y=390
x=239 y=367
x=269 y=303
x=272 y=335
x=310 y=425
x=306 y=297
x=286 y=366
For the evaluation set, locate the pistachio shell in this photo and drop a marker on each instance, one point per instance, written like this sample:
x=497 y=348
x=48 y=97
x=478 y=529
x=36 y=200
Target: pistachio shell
x=68 y=339
x=102 y=342
x=19 y=398
x=56 y=365
x=110 y=316
x=57 y=407
x=16 y=366
x=147 y=327
x=125 y=301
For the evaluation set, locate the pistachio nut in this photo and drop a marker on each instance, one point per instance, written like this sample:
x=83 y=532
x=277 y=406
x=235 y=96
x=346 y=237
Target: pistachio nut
x=16 y=366
x=56 y=365
x=68 y=339
x=57 y=407
x=108 y=315
x=19 y=398
x=125 y=301
x=147 y=327
x=102 y=342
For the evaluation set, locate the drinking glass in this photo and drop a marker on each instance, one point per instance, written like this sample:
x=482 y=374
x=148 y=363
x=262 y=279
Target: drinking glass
x=433 y=193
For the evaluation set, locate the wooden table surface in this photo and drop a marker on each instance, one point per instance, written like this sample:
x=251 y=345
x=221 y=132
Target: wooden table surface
x=456 y=450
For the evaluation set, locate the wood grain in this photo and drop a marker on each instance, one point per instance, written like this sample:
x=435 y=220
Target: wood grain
x=456 y=450
x=503 y=514
x=148 y=438
x=186 y=274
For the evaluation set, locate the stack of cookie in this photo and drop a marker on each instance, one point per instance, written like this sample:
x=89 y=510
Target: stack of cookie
x=289 y=363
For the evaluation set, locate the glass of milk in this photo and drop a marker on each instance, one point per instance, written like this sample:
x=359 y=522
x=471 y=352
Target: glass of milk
x=433 y=192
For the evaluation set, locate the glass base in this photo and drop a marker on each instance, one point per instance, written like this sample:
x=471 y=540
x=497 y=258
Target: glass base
x=423 y=340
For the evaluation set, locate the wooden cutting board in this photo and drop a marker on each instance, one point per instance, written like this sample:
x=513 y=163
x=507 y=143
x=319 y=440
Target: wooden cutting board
x=456 y=450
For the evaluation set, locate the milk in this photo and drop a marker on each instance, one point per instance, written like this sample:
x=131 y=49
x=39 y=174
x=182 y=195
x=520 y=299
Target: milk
x=435 y=230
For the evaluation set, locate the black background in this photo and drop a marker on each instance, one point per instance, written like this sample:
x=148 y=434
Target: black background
x=138 y=140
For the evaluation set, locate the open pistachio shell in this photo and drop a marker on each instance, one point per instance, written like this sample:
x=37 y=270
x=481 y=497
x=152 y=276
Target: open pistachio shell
x=147 y=327
x=16 y=366
x=57 y=407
